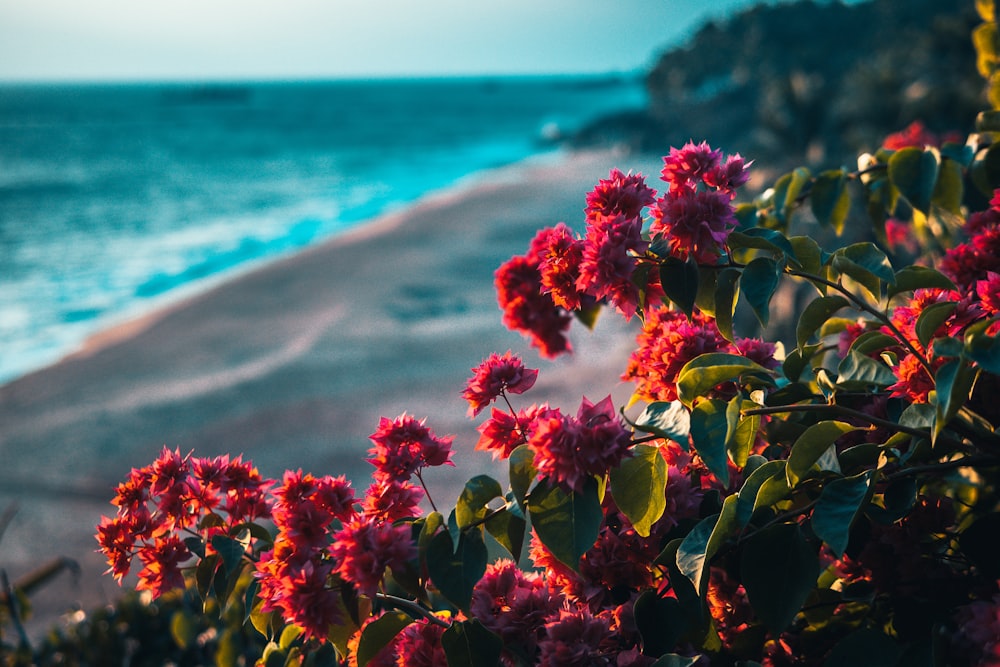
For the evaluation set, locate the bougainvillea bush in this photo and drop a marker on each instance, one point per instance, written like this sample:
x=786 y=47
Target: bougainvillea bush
x=826 y=499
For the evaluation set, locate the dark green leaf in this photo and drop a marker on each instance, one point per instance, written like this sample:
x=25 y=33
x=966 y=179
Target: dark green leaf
x=836 y=508
x=830 y=199
x=762 y=239
x=859 y=372
x=508 y=530
x=953 y=381
x=204 y=575
x=808 y=253
x=379 y=633
x=471 y=505
x=708 y=435
x=914 y=172
x=931 y=318
x=947 y=347
x=815 y=314
x=705 y=372
x=919 y=277
x=811 y=445
x=674 y=660
x=638 y=487
x=872 y=341
x=522 y=472
x=670 y=420
x=980 y=543
x=917 y=415
x=786 y=198
x=566 y=523
x=795 y=363
x=758 y=283
x=695 y=553
x=455 y=573
x=727 y=289
x=985 y=351
x=679 y=280
x=663 y=622
x=470 y=644
x=230 y=550
x=779 y=570
x=985 y=170
x=867 y=265
x=864 y=647
x=747 y=497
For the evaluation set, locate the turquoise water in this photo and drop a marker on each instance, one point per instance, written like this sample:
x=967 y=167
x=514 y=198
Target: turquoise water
x=117 y=198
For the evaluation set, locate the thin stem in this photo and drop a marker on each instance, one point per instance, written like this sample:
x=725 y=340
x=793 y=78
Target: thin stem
x=964 y=462
x=647 y=438
x=426 y=491
x=413 y=607
x=15 y=609
x=486 y=517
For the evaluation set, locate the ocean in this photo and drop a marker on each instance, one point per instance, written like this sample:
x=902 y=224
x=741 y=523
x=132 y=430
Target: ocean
x=116 y=199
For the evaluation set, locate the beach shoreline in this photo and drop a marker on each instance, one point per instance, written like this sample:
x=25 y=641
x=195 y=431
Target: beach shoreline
x=292 y=363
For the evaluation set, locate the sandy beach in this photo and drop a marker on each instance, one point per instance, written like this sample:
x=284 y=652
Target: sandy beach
x=292 y=365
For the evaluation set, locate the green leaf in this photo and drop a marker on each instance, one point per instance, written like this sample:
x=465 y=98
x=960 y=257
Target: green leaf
x=808 y=253
x=919 y=277
x=980 y=543
x=478 y=491
x=379 y=633
x=914 y=172
x=470 y=644
x=204 y=575
x=872 y=341
x=815 y=314
x=696 y=551
x=679 y=280
x=953 y=382
x=674 y=660
x=638 y=486
x=830 y=199
x=859 y=372
x=183 y=628
x=787 y=193
x=670 y=420
x=836 y=508
x=759 y=281
x=708 y=435
x=811 y=445
x=864 y=647
x=727 y=289
x=778 y=569
x=867 y=265
x=985 y=351
x=741 y=432
x=508 y=529
x=455 y=573
x=288 y=636
x=664 y=622
x=762 y=239
x=706 y=371
x=747 y=496
x=566 y=523
x=522 y=472
x=950 y=187
x=931 y=319
x=985 y=171
x=230 y=550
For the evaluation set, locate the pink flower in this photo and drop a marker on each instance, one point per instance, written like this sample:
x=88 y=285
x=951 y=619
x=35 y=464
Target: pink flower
x=514 y=605
x=988 y=291
x=364 y=548
x=914 y=135
x=162 y=561
x=575 y=638
x=391 y=500
x=913 y=381
x=730 y=175
x=405 y=445
x=685 y=166
x=569 y=451
x=493 y=377
x=694 y=223
x=419 y=645
x=620 y=194
x=978 y=632
x=298 y=588
x=609 y=260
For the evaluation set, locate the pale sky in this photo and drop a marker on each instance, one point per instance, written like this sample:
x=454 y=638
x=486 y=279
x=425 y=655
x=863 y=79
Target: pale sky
x=292 y=39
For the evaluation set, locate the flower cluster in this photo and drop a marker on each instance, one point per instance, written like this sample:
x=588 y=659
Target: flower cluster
x=172 y=494
x=495 y=376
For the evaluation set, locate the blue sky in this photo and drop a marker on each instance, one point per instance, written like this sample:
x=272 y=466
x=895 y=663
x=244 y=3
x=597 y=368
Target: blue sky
x=292 y=39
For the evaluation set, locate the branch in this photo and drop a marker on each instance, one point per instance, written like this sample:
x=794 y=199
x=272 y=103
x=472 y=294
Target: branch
x=412 y=607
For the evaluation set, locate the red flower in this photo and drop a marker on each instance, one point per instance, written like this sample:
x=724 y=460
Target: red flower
x=914 y=382
x=609 y=260
x=419 y=645
x=528 y=309
x=559 y=266
x=514 y=605
x=988 y=291
x=391 y=500
x=298 y=587
x=405 y=445
x=575 y=638
x=914 y=135
x=620 y=194
x=494 y=376
x=694 y=223
x=503 y=432
x=162 y=560
x=365 y=547
x=684 y=167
